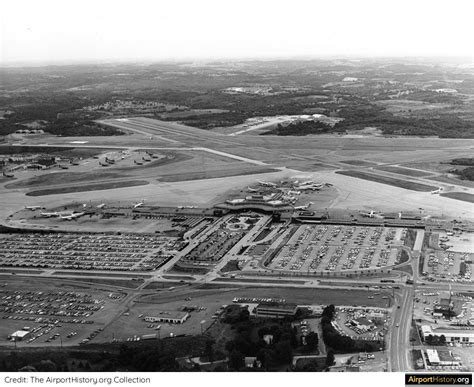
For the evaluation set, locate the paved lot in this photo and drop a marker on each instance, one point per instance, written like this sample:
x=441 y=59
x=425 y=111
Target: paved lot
x=316 y=248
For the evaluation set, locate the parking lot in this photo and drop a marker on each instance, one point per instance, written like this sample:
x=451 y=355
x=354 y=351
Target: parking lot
x=316 y=248
x=365 y=324
x=447 y=265
x=53 y=315
x=426 y=301
x=86 y=251
x=450 y=258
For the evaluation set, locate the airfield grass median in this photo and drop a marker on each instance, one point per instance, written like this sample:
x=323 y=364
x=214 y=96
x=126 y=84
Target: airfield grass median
x=406 y=184
x=88 y=187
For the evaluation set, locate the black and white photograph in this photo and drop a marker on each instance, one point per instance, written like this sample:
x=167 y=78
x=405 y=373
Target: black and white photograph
x=236 y=187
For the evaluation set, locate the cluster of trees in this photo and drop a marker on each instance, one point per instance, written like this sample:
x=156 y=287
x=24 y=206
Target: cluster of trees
x=339 y=343
x=435 y=340
x=463 y=161
x=300 y=128
x=246 y=343
x=143 y=356
x=466 y=173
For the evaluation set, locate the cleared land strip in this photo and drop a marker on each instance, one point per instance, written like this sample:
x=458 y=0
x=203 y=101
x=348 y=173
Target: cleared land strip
x=88 y=187
x=213 y=174
x=403 y=171
x=406 y=184
x=463 y=196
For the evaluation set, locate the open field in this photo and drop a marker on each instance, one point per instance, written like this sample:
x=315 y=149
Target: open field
x=463 y=196
x=63 y=178
x=358 y=162
x=403 y=171
x=88 y=187
x=389 y=180
x=123 y=283
x=212 y=174
x=451 y=179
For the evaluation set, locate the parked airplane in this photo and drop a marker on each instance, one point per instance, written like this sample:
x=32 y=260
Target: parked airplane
x=370 y=214
x=313 y=187
x=306 y=206
x=49 y=214
x=72 y=216
x=437 y=191
x=294 y=192
x=32 y=208
x=267 y=184
x=250 y=189
x=138 y=205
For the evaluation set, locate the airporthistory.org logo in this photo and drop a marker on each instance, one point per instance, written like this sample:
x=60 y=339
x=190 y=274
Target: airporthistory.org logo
x=440 y=379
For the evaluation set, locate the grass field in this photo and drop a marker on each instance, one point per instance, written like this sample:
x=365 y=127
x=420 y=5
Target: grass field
x=212 y=174
x=463 y=196
x=122 y=275
x=124 y=283
x=262 y=281
x=358 y=162
x=389 y=181
x=402 y=171
x=162 y=284
x=63 y=178
x=88 y=187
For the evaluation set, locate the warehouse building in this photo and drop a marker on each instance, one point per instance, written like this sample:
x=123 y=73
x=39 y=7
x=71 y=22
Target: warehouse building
x=19 y=335
x=172 y=317
x=464 y=336
x=275 y=310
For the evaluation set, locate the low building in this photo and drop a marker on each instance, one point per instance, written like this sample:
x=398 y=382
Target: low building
x=376 y=317
x=252 y=362
x=275 y=309
x=441 y=358
x=465 y=336
x=164 y=316
x=19 y=335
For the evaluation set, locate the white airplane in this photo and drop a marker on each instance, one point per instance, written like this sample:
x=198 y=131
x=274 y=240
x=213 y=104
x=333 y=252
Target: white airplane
x=306 y=206
x=267 y=184
x=49 y=214
x=102 y=205
x=294 y=192
x=313 y=187
x=32 y=208
x=72 y=216
x=437 y=191
x=370 y=214
x=138 y=205
x=250 y=189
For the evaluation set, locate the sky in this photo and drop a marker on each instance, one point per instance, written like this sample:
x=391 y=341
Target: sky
x=89 y=31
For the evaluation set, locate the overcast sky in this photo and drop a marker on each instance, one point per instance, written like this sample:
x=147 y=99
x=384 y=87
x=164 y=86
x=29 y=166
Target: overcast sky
x=85 y=30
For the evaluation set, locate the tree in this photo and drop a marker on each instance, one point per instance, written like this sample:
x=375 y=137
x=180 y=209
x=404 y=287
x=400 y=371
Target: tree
x=236 y=360
x=312 y=341
x=442 y=340
x=209 y=350
x=330 y=358
x=429 y=339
